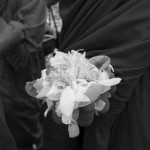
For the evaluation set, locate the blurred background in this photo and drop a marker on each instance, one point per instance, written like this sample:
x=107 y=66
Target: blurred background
x=52 y=29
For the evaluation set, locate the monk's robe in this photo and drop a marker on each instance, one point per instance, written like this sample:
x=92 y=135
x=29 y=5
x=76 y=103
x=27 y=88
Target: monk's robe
x=119 y=29
x=21 y=34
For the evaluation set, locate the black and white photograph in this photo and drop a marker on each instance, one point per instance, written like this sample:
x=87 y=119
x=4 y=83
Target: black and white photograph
x=74 y=74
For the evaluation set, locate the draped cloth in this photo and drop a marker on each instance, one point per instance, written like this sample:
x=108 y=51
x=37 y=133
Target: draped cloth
x=119 y=29
x=22 y=25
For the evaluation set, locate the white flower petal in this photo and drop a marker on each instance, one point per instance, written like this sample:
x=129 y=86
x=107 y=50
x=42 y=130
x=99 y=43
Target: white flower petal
x=94 y=90
x=110 y=82
x=67 y=101
x=60 y=60
x=66 y=119
x=44 y=74
x=55 y=91
x=44 y=91
x=38 y=85
x=103 y=75
x=73 y=130
x=99 y=105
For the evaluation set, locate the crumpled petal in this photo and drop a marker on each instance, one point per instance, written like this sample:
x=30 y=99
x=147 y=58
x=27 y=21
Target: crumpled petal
x=30 y=89
x=56 y=90
x=38 y=84
x=60 y=60
x=81 y=100
x=49 y=105
x=74 y=64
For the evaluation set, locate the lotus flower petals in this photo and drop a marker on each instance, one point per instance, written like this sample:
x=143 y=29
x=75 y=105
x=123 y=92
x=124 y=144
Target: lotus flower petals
x=38 y=84
x=110 y=82
x=82 y=74
x=81 y=81
x=75 y=114
x=83 y=104
x=44 y=91
x=44 y=74
x=74 y=64
x=73 y=129
x=56 y=90
x=73 y=84
x=101 y=61
x=30 y=89
x=66 y=119
x=92 y=72
x=81 y=99
x=60 y=60
x=49 y=105
x=67 y=101
x=94 y=90
x=57 y=109
x=99 y=105
x=103 y=75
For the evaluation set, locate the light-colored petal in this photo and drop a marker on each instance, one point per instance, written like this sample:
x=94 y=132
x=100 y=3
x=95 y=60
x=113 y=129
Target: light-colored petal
x=81 y=100
x=38 y=85
x=94 y=90
x=44 y=74
x=110 y=82
x=57 y=109
x=30 y=89
x=44 y=91
x=92 y=72
x=56 y=90
x=74 y=64
x=67 y=101
x=99 y=105
x=73 y=130
x=60 y=60
x=75 y=114
x=66 y=119
x=103 y=75
x=49 y=105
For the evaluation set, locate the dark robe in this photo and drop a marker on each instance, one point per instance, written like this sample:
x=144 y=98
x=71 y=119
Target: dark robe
x=119 y=29
x=21 y=34
x=51 y=2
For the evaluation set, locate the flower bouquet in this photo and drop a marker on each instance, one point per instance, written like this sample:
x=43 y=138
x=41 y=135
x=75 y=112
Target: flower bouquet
x=72 y=86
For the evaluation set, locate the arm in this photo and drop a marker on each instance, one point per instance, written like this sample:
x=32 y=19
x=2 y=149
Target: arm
x=10 y=34
x=31 y=16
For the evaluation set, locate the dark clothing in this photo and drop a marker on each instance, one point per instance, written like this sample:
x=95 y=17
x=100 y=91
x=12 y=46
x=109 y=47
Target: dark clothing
x=119 y=29
x=21 y=33
x=56 y=136
x=51 y=2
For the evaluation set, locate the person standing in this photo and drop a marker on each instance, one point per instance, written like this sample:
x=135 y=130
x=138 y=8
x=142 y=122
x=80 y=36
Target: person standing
x=22 y=24
x=119 y=29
